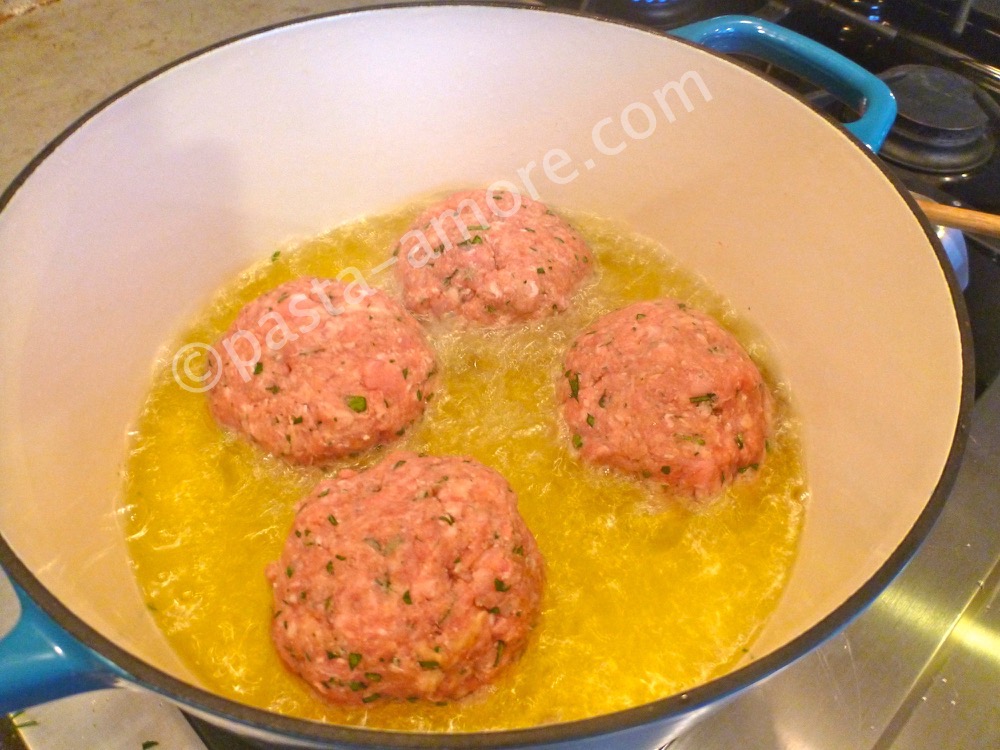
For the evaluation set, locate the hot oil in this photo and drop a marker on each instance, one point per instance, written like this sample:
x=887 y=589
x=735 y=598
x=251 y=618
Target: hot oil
x=645 y=597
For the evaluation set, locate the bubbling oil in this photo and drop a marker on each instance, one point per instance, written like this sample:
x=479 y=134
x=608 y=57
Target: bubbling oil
x=645 y=597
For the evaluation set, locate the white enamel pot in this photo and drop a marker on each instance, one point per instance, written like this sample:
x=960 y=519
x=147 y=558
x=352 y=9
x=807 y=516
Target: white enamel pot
x=121 y=229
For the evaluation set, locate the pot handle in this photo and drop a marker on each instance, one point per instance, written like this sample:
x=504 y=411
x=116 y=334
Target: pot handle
x=41 y=662
x=820 y=65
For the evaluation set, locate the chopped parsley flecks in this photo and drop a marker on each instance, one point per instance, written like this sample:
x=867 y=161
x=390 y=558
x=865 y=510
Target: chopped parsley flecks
x=357 y=403
x=500 y=647
x=705 y=398
x=574 y=384
x=500 y=585
x=697 y=439
x=353 y=659
x=577 y=442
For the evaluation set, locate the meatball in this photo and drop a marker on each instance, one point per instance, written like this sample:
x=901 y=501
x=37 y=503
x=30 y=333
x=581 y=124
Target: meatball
x=414 y=579
x=663 y=391
x=491 y=257
x=314 y=370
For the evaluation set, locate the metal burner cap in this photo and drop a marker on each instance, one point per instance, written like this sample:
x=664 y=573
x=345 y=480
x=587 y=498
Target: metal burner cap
x=941 y=127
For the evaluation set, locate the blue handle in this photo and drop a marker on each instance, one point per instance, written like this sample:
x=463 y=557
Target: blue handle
x=846 y=80
x=39 y=662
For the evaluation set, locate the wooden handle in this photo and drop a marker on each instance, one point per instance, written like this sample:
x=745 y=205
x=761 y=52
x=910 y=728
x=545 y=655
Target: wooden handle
x=976 y=222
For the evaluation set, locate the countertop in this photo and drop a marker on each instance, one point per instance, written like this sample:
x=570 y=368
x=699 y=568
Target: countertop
x=919 y=669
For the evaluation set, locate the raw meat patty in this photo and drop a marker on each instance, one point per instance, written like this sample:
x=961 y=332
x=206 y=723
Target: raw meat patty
x=491 y=257
x=414 y=579
x=313 y=371
x=663 y=391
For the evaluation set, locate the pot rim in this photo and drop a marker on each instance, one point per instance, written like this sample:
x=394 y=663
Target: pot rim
x=134 y=670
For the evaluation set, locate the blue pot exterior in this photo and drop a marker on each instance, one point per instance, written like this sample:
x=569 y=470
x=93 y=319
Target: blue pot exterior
x=845 y=79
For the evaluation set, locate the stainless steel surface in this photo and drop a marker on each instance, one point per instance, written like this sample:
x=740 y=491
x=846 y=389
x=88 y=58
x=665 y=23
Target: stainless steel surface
x=919 y=669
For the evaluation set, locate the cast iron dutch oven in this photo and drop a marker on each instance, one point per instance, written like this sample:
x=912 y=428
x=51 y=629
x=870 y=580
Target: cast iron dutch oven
x=120 y=230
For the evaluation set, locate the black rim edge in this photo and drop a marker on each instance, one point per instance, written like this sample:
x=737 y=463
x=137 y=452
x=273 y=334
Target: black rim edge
x=671 y=708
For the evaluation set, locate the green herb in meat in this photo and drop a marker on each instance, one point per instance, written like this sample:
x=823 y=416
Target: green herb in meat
x=357 y=403
x=574 y=384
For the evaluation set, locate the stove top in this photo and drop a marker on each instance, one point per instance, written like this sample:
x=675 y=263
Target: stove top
x=943 y=126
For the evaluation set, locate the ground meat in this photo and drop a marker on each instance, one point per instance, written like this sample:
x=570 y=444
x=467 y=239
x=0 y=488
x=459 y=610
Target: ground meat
x=491 y=257
x=663 y=391
x=314 y=370
x=414 y=579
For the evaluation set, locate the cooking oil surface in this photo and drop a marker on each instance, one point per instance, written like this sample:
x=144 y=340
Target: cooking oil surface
x=646 y=597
